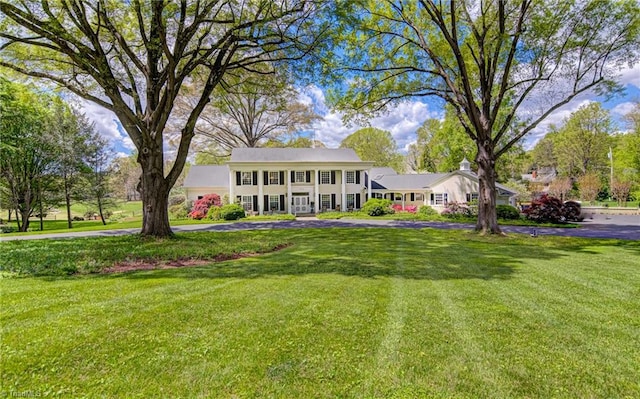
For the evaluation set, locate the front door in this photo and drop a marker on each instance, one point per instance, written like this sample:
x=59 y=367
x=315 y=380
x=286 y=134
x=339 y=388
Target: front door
x=301 y=204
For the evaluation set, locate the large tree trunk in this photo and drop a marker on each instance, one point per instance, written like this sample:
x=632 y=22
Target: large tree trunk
x=154 y=191
x=487 y=215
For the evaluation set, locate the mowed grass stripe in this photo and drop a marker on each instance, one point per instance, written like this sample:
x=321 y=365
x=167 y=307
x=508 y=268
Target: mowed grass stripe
x=341 y=313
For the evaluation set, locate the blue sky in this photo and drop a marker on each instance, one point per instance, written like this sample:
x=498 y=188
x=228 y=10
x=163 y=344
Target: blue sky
x=402 y=120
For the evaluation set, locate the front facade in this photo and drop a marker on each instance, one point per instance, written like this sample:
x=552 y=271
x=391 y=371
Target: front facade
x=307 y=181
x=291 y=180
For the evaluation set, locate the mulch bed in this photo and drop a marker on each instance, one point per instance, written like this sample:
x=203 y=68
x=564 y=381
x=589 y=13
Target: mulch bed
x=154 y=264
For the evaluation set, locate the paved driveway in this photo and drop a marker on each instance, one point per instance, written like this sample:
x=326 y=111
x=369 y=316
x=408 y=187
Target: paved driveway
x=620 y=227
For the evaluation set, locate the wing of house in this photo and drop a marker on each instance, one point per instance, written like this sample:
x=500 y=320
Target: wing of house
x=434 y=189
x=309 y=180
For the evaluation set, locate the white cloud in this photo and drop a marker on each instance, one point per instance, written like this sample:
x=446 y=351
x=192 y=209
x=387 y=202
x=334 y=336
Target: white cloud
x=623 y=108
x=402 y=120
x=556 y=118
x=106 y=123
x=631 y=76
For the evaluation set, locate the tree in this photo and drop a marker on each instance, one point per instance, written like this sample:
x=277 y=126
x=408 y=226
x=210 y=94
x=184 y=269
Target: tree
x=134 y=59
x=495 y=62
x=444 y=143
x=71 y=132
x=99 y=160
x=560 y=187
x=375 y=145
x=620 y=190
x=544 y=154
x=589 y=185
x=125 y=177
x=251 y=109
x=582 y=143
x=27 y=150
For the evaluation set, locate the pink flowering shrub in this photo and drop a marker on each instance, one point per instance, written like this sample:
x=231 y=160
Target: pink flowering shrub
x=201 y=206
x=408 y=208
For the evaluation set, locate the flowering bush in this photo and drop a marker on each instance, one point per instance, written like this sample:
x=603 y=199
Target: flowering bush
x=407 y=208
x=201 y=206
x=548 y=209
x=455 y=210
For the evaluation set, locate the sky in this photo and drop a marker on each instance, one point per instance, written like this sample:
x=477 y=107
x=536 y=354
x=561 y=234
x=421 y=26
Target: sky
x=402 y=120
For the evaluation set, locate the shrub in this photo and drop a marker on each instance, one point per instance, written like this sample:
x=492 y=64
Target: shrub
x=546 y=209
x=214 y=213
x=377 y=207
x=178 y=212
x=572 y=211
x=77 y=219
x=507 y=212
x=201 y=206
x=232 y=212
x=426 y=210
x=455 y=210
x=8 y=229
x=176 y=200
x=88 y=215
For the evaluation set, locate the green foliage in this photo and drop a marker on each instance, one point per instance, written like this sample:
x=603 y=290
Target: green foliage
x=507 y=212
x=345 y=313
x=214 y=212
x=426 y=210
x=232 y=212
x=377 y=207
x=178 y=212
x=375 y=145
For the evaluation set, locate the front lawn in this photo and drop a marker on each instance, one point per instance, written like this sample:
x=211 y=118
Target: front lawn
x=350 y=313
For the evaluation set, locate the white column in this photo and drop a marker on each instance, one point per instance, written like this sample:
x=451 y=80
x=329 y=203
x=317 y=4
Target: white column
x=232 y=181
x=403 y=195
x=316 y=198
x=260 y=192
x=425 y=199
x=343 y=205
x=289 y=196
x=370 y=183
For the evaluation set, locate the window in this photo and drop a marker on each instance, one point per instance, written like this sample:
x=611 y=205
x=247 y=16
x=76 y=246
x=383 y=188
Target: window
x=397 y=197
x=247 y=178
x=301 y=177
x=274 y=202
x=325 y=177
x=419 y=197
x=247 y=201
x=377 y=195
x=351 y=177
x=440 y=199
x=472 y=197
x=351 y=201
x=274 y=177
x=325 y=201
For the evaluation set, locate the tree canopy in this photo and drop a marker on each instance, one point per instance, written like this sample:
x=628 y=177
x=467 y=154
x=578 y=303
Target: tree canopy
x=375 y=145
x=503 y=66
x=134 y=58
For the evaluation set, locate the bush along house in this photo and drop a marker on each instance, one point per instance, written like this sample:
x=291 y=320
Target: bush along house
x=309 y=180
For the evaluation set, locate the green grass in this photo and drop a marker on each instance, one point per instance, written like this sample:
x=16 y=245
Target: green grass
x=347 y=313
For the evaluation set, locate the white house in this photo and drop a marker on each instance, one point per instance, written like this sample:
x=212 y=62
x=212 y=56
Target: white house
x=308 y=180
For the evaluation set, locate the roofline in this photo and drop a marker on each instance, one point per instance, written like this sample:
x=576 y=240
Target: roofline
x=276 y=164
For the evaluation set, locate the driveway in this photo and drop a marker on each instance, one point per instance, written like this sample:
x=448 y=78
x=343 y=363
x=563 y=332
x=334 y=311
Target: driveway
x=612 y=226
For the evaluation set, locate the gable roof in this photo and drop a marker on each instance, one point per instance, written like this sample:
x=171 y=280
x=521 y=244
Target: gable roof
x=207 y=176
x=377 y=173
x=406 y=182
x=293 y=155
